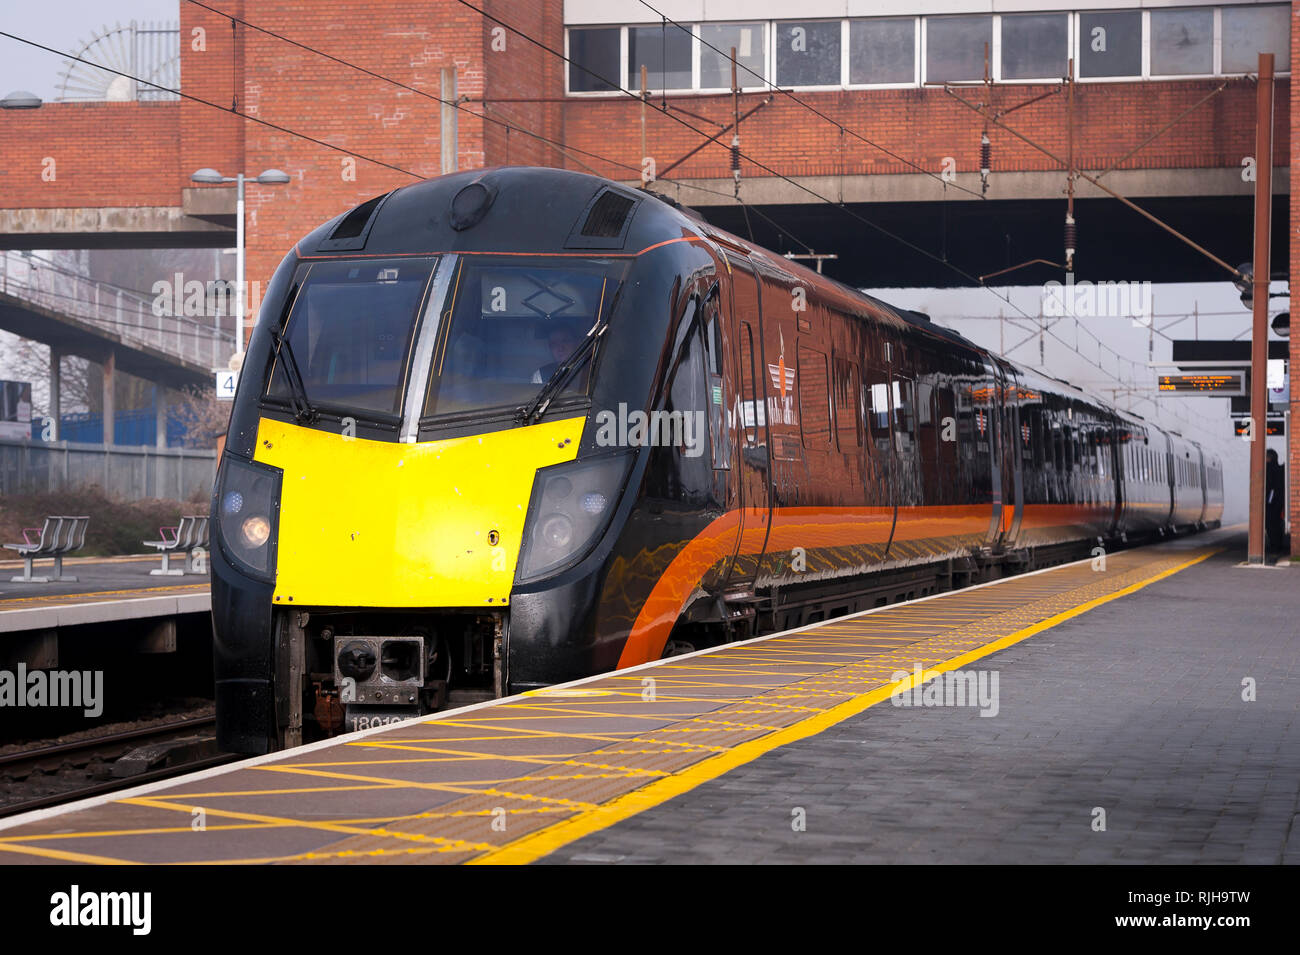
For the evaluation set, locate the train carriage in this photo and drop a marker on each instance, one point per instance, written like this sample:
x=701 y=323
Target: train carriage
x=511 y=427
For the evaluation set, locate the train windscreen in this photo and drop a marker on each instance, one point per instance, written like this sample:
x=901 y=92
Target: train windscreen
x=514 y=323
x=350 y=334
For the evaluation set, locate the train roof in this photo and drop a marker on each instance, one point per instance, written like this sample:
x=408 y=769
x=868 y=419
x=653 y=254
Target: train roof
x=547 y=210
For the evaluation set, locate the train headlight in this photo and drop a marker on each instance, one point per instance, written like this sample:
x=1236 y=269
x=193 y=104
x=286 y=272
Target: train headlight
x=255 y=531
x=249 y=497
x=556 y=530
x=569 y=510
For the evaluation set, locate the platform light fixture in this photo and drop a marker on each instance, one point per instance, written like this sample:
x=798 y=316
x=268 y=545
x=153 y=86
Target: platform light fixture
x=267 y=177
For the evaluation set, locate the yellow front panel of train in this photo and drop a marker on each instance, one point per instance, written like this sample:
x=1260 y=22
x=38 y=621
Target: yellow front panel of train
x=377 y=524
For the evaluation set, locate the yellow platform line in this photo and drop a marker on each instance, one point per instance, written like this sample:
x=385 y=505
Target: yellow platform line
x=531 y=847
x=64 y=856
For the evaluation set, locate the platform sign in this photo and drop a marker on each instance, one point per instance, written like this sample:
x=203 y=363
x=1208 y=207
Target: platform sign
x=1275 y=428
x=226 y=382
x=1220 y=384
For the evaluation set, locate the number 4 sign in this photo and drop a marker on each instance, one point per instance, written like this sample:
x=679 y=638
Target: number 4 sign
x=226 y=381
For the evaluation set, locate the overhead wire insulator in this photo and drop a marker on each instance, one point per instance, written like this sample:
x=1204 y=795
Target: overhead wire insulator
x=735 y=158
x=986 y=160
x=1071 y=241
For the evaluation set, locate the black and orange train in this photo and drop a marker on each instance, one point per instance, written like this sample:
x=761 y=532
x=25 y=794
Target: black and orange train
x=508 y=428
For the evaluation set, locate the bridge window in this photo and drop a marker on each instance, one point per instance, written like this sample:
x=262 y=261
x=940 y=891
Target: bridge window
x=1110 y=43
x=1130 y=43
x=1034 y=46
x=594 y=57
x=955 y=47
x=1248 y=31
x=665 y=52
x=882 y=51
x=1182 y=41
x=716 y=43
x=808 y=53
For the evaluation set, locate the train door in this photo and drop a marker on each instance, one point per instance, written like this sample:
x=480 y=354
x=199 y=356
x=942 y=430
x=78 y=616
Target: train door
x=753 y=464
x=720 y=389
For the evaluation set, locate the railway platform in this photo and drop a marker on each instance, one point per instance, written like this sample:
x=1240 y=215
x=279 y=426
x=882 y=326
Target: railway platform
x=107 y=589
x=1139 y=708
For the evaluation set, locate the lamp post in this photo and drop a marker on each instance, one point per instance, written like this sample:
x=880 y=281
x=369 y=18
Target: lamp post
x=268 y=177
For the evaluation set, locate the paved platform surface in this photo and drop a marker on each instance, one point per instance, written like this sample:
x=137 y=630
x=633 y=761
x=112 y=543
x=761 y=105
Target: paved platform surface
x=94 y=575
x=563 y=773
x=106 y=588
x=1135 y=708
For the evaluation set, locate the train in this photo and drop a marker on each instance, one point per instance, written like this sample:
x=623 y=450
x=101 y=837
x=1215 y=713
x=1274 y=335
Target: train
x=505 y=428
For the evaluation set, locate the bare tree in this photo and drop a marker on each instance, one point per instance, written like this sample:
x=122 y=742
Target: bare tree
x=26 y=360
x=203 y=415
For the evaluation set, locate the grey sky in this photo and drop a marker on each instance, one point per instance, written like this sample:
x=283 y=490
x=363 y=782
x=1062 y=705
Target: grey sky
x=65 y=25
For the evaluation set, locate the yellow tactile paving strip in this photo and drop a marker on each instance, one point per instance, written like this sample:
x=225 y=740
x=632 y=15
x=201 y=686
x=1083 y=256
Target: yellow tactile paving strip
x=8 y=602
x=518 y=778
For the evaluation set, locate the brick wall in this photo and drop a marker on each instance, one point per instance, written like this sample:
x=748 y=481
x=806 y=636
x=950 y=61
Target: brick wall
x=410 y=42
x=926 y=125
x=90 y=154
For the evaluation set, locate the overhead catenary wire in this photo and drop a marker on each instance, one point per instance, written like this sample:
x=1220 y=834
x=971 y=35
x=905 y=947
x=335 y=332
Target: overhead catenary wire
x=291 y=132
x=631 y=94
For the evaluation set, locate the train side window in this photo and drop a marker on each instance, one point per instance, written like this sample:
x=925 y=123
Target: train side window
x=945 y=414
x=713 y=336
x=752 y=411
x=878 y=409
x=925 y=427
x=814 y=399
x=847 y=405
x=904 y=414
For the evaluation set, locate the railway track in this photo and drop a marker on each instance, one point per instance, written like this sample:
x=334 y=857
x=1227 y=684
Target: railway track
x=105 y=764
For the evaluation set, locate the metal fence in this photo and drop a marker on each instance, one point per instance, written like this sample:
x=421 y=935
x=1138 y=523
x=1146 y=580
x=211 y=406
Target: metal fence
x=131 y=473
x=129 y=315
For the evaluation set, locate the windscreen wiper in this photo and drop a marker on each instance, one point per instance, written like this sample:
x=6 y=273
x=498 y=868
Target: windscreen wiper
x=303 y=410
x=532 y=413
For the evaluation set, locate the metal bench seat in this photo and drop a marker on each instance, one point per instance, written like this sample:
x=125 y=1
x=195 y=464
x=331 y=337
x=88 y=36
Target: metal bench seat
x=59 y=536
x=186 y=538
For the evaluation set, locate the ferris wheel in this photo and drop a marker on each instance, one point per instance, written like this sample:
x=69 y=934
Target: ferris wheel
x=107 y=65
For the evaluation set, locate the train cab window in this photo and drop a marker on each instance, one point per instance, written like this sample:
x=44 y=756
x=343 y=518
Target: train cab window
x=688 y=394
x=514 y=324
x=350 y=334
x=904 y=414
x=847 y=405
x=814 y=399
